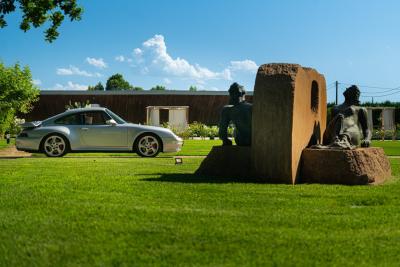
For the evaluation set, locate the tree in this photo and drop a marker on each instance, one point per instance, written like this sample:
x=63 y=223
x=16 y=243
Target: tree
x=192 y=88
x=97 y=87
x=17 y=93
x=158 y=88
x=117 y=82
x=35 y=13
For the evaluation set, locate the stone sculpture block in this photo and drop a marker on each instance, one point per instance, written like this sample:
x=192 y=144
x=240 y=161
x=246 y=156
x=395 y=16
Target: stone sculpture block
x=289 y=114
x=350 y=167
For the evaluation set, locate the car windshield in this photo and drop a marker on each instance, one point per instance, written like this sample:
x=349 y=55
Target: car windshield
x=117 y=118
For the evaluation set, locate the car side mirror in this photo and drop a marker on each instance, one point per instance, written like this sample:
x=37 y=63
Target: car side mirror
x=111 y=122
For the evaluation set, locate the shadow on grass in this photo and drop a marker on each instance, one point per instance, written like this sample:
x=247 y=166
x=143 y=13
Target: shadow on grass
x=197 y=179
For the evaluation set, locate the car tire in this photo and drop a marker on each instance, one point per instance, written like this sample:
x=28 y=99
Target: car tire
x=55 y=145
x=148 y=145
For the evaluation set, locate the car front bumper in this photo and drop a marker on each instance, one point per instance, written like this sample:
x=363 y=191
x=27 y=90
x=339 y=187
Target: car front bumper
x=27 y=143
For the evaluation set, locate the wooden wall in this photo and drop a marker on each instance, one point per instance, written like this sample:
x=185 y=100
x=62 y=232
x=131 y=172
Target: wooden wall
x=132 y=107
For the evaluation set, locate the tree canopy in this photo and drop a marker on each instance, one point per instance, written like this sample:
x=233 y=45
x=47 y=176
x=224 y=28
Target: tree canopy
x=192 y=88
x=35 y=13
x=17 y=93
x=117 y=82
x=158 y=88
x=98 y=87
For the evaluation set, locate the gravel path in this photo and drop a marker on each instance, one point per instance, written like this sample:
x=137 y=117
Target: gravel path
x=12 y=152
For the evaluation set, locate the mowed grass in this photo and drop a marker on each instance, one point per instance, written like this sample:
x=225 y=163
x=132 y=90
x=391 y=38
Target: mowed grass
x=3 y=143
x=63 y=212
x=110 y=211
x=203 y=147
x=392 y=148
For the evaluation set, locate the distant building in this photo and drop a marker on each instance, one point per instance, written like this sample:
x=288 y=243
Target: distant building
x=203 y=106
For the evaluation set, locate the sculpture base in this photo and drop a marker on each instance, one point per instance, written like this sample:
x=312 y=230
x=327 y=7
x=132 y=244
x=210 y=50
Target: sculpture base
x=349 y=167
x=226 y=161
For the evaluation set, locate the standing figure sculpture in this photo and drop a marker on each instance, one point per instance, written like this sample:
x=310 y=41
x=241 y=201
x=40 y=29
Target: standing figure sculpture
x=348 y=128
x=239 y=112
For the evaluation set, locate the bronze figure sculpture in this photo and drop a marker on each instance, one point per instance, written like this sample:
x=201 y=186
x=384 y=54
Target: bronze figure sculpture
x=348 y=128
x=239 y=112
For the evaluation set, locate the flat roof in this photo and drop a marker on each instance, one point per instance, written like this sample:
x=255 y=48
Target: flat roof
x=131 y=92
x=167 y=107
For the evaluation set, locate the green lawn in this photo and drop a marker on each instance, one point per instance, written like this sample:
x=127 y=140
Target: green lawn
x=203 y=147
x=3 y=143
x=392 y=148
x=109 y=211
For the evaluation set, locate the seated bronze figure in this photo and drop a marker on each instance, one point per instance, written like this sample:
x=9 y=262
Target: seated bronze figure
x=239 y=112
x=348 y=128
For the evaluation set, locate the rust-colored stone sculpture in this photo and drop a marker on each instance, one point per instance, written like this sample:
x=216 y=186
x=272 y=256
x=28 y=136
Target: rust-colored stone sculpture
x=289 y=114
x=350 y=167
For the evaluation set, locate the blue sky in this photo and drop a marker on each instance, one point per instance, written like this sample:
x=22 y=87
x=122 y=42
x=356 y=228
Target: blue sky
x=210 y=44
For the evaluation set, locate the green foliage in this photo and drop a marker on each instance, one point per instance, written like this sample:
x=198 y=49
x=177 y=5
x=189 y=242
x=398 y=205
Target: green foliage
x=192 y=88
x=15 y=127
x=198 y=129
x=158 y=88
x=71 y=105
x=137 y=88
x=117 y=82
x=36 y=13
x=98 y=87
x=17 y=93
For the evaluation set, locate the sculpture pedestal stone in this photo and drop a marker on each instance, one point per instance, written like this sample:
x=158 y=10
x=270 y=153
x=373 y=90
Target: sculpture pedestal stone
x=289 y=113
x=350 y=167
x=226 y=161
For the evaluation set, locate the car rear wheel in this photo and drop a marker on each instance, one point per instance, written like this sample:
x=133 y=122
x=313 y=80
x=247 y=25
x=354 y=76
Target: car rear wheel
x=148 y=145
x=55 y=145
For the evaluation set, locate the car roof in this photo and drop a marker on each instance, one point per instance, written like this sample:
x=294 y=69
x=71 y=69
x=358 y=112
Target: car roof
x=74 y=110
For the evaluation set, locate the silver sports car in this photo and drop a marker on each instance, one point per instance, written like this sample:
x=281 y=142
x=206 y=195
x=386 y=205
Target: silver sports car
x=94 y=129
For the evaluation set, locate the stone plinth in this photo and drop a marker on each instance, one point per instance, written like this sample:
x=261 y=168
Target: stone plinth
x=226 y=161
x=350 y=167
x=289 y=113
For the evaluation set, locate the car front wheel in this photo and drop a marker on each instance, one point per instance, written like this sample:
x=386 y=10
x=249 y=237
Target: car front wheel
x=55 y=146
x=148 y=146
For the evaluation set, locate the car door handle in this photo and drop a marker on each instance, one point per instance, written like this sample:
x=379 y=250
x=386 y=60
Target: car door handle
x=84 y=129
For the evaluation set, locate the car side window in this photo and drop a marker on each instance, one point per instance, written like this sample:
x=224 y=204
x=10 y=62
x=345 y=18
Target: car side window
x=95 y=118
x=73 y=119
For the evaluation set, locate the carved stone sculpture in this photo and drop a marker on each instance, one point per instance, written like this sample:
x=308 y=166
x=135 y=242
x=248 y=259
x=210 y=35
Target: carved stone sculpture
x=239 y=112
x=348 y=128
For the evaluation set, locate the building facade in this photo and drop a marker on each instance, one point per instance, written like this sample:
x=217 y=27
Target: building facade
x=204 y=106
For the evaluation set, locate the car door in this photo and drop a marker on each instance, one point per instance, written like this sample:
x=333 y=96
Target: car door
x=96 y=134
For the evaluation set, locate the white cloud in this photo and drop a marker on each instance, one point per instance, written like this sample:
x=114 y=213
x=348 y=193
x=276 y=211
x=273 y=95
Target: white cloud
x=137 y=51
x=72 y=70
x=120 y=58
x=153 y=57
x=69 y=86
x=36 y=82
x=244 y=65
x=97 y=62
x=167 y=81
